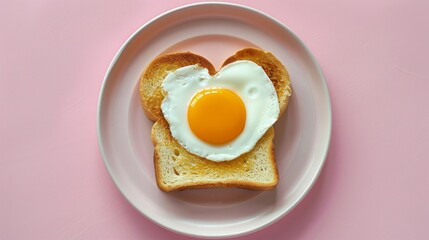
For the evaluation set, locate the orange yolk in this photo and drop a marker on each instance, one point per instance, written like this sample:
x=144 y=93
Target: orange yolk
x=216 y=116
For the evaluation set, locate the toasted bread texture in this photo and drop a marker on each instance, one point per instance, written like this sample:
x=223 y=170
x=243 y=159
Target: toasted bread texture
x=175 y=167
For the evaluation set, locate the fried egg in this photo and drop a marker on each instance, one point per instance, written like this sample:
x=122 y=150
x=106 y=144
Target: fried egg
x=223 y=116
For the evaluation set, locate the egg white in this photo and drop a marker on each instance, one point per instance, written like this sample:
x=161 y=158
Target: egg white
x=245 y=78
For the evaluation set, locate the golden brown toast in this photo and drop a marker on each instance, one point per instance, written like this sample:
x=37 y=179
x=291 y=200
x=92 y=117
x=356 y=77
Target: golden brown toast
x=175 y=167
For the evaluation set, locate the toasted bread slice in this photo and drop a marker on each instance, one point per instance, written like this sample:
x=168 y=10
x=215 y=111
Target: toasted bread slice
x=177 y=169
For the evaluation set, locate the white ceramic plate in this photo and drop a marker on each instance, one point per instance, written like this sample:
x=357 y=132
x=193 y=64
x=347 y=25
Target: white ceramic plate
x=216 y=31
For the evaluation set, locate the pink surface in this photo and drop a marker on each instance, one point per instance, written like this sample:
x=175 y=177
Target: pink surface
x=54 y=55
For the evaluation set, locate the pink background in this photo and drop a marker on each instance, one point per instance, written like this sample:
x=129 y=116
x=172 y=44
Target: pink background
x=54 y=54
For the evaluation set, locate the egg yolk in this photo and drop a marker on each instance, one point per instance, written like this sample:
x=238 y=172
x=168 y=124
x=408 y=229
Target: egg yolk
x=216 y=115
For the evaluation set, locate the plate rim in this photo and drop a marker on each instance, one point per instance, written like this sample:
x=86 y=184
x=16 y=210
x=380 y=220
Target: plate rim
x=239 y=7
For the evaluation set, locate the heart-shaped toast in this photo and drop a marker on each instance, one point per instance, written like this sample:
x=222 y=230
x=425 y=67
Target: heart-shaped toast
x=179 y=167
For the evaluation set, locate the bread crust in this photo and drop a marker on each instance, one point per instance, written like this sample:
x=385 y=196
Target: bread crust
x=165 y=145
